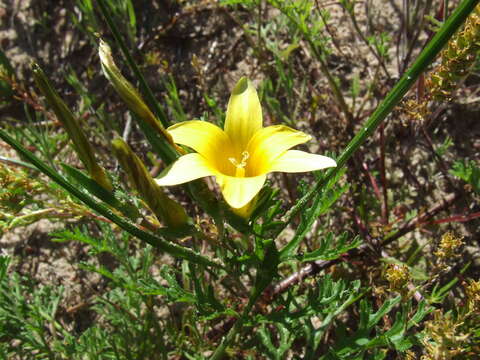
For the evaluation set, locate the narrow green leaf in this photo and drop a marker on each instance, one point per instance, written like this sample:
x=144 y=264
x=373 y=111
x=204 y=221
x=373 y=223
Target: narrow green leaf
x=331 y=251
x=422 y=311
x=373 y=319
x=4 y=263
x=322 y=201
x=98 y=191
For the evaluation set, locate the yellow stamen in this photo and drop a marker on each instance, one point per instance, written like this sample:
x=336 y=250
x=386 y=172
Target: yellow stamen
x=240 y=166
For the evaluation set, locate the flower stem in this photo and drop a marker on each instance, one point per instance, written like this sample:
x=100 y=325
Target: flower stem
x=266 y=271
x=257 y=291
x=220 y=350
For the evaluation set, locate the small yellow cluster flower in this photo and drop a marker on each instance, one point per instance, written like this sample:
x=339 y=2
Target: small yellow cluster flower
x=416 y=111
x=472 y=290
x=443 y=339
x=397 y=277
x=449 y=246
x=410 y=355
x=457 y=59
x=15 y=188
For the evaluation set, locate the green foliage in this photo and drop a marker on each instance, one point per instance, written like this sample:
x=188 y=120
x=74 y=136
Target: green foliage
x=307 y=318
x=26 y=316
x=322 y=202
x=469 y=172
x=361 y=343
x=122 y=11
x=381 y=44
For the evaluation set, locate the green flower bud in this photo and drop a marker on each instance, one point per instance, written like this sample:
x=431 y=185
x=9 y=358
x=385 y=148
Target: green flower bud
x=127 y=92
x=161 y=205
x=65 y=116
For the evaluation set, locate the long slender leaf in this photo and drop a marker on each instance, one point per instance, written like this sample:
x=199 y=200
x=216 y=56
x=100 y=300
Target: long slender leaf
x=98 y=191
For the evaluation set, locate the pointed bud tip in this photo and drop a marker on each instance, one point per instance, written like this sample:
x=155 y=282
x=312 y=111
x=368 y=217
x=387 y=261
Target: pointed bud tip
x=241 y=86
x=35 y=67
x=104 y=52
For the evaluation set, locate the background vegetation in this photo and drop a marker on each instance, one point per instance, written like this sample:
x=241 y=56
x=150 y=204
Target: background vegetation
x=382 y=262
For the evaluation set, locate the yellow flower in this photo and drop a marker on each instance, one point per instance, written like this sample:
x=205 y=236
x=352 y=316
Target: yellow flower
x=241 y=155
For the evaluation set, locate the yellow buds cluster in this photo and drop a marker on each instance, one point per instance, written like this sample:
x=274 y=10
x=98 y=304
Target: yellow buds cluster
x=472 y=291
x=457 y=59
x=75 y=132
x=416 y=111
x=397 y=276
x=15 y=189
x=449 y=246
x=443 y=337
x=162 y=206
x=410 y=355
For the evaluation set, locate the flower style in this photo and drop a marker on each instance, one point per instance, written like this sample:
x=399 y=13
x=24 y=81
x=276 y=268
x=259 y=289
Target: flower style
x=241 y=155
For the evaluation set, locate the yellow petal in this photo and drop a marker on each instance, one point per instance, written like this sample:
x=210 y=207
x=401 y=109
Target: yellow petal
x=239 y=191
x=268 y=144
x=205 y=138
x=244 y=114
x=187 y=168
x=293 y=161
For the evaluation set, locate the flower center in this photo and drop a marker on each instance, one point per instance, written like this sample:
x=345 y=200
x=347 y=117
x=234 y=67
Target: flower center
x=240 y=166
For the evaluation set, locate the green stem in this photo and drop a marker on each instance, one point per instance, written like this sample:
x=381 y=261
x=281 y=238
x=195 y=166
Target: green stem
x=257 y=291
x=152 y=239
x=393 y=98
x=147 y=92
x=220 y=350
x=266 y=271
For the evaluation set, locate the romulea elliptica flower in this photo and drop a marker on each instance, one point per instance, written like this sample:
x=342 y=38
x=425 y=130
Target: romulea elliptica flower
x=242 y=154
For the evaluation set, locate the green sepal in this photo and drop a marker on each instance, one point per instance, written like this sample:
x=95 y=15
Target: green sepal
x=200 y=192
x=263 y=202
